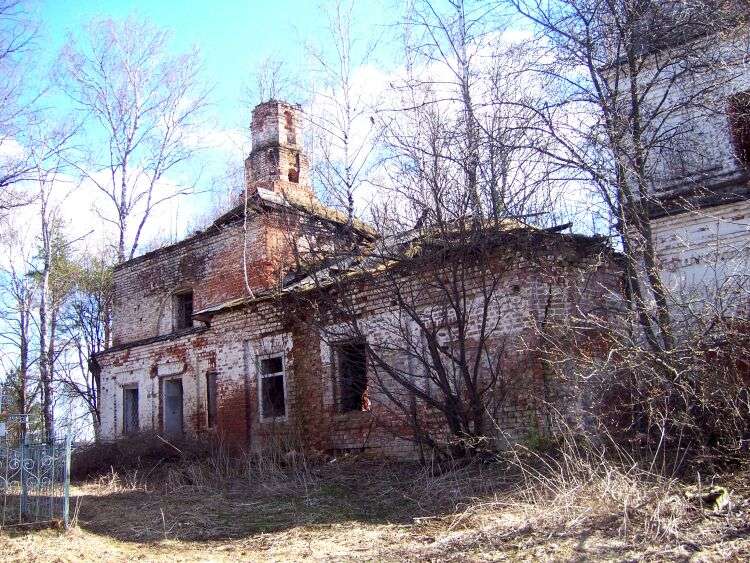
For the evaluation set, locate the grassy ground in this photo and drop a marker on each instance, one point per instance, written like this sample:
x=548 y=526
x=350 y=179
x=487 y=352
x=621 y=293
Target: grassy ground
x=350 y=510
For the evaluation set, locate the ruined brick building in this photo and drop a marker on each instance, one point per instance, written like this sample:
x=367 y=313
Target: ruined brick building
x=204 y=342
x=213 y=334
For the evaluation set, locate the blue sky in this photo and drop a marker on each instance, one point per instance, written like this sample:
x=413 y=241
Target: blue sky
x=233 y=35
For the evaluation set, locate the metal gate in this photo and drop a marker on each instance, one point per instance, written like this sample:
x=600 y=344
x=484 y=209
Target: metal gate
x=34 y=477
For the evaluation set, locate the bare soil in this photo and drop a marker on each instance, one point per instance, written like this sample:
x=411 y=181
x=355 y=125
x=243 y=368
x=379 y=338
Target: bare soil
x=374 y=512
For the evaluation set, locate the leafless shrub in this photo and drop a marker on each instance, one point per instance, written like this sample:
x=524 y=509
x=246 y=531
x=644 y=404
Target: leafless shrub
x=581 y=485
x=148 y=460
x=670 y=410
x=138 y=452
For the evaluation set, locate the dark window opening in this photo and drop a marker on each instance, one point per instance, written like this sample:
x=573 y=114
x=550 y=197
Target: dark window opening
x=294 y=172
x=273 y=398
x=172 y=406
x=352 y=376
x=130 y=410
x=211 y=398
x=183 y=310
x=739 y=124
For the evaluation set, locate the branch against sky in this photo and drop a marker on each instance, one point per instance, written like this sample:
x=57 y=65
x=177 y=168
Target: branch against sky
x=17 y=33
x=343 y=105
x=449 y=151
x=142 y=105
x=271 y=79
x=460 y=105
x=618 y=113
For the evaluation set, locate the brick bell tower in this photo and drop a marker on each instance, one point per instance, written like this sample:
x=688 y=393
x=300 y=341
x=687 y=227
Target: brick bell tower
x=277 y=161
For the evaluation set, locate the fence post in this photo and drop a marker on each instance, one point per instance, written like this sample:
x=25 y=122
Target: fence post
x=66 y=490
x=24 y=500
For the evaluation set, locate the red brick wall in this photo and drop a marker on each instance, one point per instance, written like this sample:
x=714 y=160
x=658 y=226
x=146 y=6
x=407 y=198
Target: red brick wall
x=229 y=347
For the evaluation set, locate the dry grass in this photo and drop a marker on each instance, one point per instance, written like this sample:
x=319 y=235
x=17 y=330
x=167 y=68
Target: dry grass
x=286 y=507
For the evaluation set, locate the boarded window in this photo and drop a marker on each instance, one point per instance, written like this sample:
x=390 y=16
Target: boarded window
x=211 y=398
x=272 y=393
x=130 y=410
x=739 y=124
x=351 y=360
x=172 y=406
x=183 y=305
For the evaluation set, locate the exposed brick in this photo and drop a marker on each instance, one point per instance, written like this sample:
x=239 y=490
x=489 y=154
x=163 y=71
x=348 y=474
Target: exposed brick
x=211 y=263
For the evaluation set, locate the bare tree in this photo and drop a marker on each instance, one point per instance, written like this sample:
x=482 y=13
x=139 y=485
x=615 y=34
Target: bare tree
x=623 y=63
x=86 y=322
x=421 y=303
x=142 y=107
x=17 y=317
x=17 y=32
x=343 y=110
x=631 y=85
x=271 y=80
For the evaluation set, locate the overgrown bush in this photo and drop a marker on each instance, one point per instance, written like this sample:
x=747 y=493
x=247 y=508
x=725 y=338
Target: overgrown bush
x=149 y=460
x=666 y=406
x=144 y=450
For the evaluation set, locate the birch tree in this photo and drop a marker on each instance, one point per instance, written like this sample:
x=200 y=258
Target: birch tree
x=343 y=109
x=17 y=295
x=142 y=107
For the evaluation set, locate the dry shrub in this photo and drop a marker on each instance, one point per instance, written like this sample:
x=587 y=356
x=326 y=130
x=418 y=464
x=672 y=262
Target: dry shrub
x=136 y=453
x=264 y=467
x=582 y=485
x=148 y=460
x=677 y=405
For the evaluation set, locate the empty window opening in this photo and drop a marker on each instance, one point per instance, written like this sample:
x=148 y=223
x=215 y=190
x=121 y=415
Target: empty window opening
x=211 y=398
x=272 y=393
x=352 y=376
x=183 y=305
x=294 y=171
x=291 y=137
x=172 y=406
x=130 y=410
x=739 y=124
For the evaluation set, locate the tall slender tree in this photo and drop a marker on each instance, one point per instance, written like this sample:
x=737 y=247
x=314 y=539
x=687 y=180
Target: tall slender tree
x=142 y=109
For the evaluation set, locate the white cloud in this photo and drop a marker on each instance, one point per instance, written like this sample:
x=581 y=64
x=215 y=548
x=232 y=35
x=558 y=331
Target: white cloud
x=11 y=148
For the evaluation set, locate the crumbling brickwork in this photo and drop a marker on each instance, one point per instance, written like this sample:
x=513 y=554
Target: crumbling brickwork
x=277 y=161
x=248 y=339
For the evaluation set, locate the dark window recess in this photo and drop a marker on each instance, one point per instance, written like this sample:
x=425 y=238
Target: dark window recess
x=352 y=376
x=294 y=171
x=130 y=410
x=273 y=158
x=211 y=398
x=739 y=124
x=273 y=404
x=183 y=303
